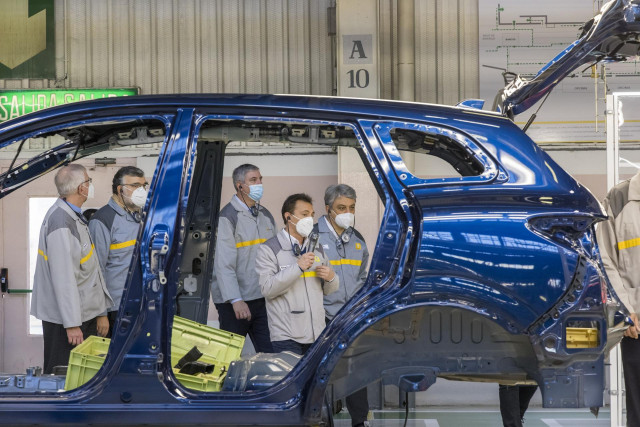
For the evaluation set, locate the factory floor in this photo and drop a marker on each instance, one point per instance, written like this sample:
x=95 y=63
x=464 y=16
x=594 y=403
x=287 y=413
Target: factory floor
x=480 y=417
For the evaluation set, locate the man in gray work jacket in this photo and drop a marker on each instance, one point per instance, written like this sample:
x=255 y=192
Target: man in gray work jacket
x=619 y=243
x=294 y=275
x=349 y=256
x=69 y=292
x=242 y=226
x=114 y=229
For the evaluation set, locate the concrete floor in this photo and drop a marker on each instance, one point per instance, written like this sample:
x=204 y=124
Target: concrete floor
x=480 y=417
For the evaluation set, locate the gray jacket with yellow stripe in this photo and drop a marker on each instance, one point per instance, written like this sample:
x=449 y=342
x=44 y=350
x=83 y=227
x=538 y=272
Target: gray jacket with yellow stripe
x=68 y=287
x=114 y=232
x=349 y=260
x=293 y=298
x=239 y=236
x=619 y=241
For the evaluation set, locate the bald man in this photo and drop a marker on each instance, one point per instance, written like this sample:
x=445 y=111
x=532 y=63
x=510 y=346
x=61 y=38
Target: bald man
x=69 y=293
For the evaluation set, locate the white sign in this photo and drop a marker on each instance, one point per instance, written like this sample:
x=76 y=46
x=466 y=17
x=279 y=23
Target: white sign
x=521 y=37
x=357 y=22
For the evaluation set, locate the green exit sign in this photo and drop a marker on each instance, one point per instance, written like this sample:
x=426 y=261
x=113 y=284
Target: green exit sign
x=16 y=103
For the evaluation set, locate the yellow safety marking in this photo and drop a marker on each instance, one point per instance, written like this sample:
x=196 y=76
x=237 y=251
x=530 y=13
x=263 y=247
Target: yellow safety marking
x=358 y=246
x=86 y=258
x=250 y=243
x=41 y=252
x=629 y=243
x=308 y=274
x=122 y=245
x=355 y=262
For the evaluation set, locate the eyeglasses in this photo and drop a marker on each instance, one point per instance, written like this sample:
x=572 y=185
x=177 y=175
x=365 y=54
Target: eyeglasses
x=138 y=185
x=89 y=181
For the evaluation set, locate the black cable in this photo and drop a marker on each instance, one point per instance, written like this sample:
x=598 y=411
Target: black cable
x=12 y=163
x=137 y=217
x=406 y=408
x=339 y=241
x=180 y=293
x=303 y=276
x=253 y=209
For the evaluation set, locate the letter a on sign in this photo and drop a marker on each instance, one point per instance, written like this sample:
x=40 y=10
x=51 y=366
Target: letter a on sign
x=358 y=49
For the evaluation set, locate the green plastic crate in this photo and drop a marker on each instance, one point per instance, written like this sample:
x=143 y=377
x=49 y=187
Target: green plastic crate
x=85 y=360
x=218 y=347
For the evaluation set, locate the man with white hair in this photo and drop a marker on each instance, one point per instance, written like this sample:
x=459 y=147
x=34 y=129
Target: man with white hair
x=69 y=293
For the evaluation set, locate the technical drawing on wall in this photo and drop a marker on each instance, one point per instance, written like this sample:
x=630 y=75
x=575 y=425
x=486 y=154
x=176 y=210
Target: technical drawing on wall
x=521 y=37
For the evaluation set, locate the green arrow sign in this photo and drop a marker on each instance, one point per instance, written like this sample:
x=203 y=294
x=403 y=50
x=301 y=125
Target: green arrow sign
x=27 y=39
x=16 y=103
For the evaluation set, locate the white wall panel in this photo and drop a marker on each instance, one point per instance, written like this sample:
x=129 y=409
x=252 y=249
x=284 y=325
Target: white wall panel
x=251 y=46
x=446 y=50
x=180 y=46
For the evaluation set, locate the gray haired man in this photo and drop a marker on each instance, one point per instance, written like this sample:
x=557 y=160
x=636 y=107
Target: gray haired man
x=349 y=256
x=114 y=229
x=69 y=292
x=242 y=226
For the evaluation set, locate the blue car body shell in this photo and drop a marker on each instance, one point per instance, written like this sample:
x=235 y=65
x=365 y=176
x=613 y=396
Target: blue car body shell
x=472 y=278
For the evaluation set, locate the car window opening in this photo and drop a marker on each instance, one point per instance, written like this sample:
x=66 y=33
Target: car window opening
x=276 y=148
x=439 y=155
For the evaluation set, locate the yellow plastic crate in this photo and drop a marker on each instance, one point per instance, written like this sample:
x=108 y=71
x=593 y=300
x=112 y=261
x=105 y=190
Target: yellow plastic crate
x=218 y=348
x=85 y=360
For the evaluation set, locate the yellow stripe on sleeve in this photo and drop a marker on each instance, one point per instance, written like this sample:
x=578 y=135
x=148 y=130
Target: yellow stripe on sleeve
x=355 y=262
x=122 y=245
x=41 y=252
x=629 y=243
x=250 y=243
x=308 y=274
x=86 y=258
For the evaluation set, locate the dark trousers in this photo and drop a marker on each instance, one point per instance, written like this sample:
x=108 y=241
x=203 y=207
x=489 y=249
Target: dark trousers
x=56 y=343
x=357 y=402
x=290 y=345
x=630 y=349
x=112 y=315
x=514 y=401
x=257 y=327
x=358 y=406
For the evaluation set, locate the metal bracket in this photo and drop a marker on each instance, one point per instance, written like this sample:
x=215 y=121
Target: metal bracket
x=158 y=248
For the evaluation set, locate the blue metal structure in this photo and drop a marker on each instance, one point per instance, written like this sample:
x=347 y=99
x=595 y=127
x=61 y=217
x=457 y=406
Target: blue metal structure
x=479 y=277
x=475 y=277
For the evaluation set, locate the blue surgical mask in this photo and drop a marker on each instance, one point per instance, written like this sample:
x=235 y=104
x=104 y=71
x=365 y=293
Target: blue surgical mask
x=255 y=192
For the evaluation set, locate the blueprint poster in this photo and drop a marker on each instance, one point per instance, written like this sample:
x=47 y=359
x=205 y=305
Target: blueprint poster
x=522 y=36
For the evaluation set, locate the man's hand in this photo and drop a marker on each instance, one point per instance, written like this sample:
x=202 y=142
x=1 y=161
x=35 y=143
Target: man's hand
x=75 y=335
x=306 y=261
x=103 y=326
x=242 y=310
x=632 y=331
x=325 y=273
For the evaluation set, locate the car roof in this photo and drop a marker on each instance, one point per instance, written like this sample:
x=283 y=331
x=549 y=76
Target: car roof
x=372 y=108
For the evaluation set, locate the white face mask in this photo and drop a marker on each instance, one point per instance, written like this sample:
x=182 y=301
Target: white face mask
x=345 y=220
x=304 y=225
x=139 y=197
x=90 y=191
